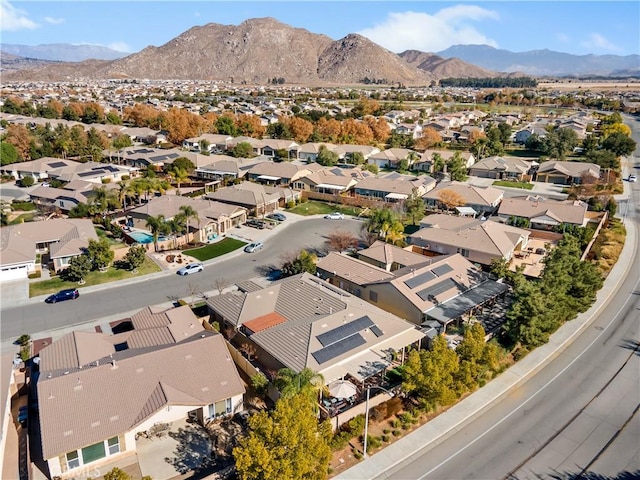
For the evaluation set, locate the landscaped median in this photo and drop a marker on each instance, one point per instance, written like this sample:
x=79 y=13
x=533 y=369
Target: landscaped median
x=505 y=183
x=320 y=208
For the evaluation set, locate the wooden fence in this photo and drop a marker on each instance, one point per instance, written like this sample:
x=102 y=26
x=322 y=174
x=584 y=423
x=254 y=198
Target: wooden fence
x=363 y=202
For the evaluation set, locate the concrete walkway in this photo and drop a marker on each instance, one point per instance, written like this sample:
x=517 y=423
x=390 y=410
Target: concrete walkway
x=511 y=379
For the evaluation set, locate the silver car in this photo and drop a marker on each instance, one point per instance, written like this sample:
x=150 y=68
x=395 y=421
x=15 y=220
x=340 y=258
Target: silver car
x=191 y=268
x=253 y=247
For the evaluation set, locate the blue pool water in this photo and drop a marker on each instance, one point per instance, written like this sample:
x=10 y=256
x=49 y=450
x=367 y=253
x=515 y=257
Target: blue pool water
x=143 y=237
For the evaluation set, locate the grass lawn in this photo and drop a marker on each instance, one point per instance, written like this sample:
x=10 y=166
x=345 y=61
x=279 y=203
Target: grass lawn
x=207 y=252
x=113 y=242
x=314 y=207
x=93 y=278
x=23 y=206
x=504 y=183
x=23 y=217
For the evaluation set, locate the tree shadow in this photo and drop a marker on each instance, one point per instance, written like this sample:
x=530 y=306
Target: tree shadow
x=193 y=452
x=625 y=475
x=631 y=344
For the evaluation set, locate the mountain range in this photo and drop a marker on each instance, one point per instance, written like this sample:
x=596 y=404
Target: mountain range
x=259 y=50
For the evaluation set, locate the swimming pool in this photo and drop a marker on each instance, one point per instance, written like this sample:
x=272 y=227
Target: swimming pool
x=144 y=237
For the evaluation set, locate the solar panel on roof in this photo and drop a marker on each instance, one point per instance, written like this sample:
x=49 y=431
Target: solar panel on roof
x=376 y=331
x=418 y=280
x=57 y=164
x=442 y=269
x=90 y=173
x=437 y=289
x=338 y=333
x=336 y=349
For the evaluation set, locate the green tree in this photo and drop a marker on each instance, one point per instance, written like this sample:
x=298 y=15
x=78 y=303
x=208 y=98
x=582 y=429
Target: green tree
x=438 y=163
x=157 y=226
x=100 y=253
x=8 y=153
x=306 y=382
x=27 y=181
x=103 y=200
x=189 y=213
x=357 y=158
x=386 y=224
x=620 y=144
x=226 y=126
x=179 y=175
x=78 y=268
x=430 y=375
x=414 y=206
x=116 y=474
x=134 y=257
x=243 y=150
x=457 y=168
x=182 y=163
x=326 y=157
x=304 y=262
x=287 y=443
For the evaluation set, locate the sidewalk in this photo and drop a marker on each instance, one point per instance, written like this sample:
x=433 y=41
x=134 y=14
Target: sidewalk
x=511 y=379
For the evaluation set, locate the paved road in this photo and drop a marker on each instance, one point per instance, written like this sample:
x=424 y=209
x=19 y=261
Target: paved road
x=97 y=302
x=579 y=413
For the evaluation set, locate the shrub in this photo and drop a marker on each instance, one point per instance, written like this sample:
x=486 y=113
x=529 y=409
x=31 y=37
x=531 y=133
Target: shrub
x=291 y=204
x=357 y=455
x=372 y=442
x=259 y=383
x=394 y=407
x=36 y=274
x=356 y=425
x=396 y=433
x=106 y=180
x=395 y=423
x=340 y=440
x=386 y=431
x=385 y=438
x=25 y=353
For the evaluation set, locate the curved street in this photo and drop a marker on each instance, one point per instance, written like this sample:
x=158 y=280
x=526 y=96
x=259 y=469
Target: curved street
x=118 y=298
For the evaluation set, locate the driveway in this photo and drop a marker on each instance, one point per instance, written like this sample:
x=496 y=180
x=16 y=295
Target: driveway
x=14 y=292
x=185 y=448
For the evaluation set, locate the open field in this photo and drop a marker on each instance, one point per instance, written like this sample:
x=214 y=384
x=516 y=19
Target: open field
x=600 y=86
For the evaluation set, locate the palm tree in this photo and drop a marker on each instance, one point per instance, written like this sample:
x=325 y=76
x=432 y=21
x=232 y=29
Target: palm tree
x=156 y=226
x=103 y=199
x=179 y=175
x=176 y=226
x=123 y=190
x=307 y=382
x=189 y=212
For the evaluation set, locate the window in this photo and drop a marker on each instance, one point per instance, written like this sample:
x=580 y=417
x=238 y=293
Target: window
x=212 y=410
x=373 y=296
x=93 y=452
x=73 y=461
x=221 y=407
x=228 y=405
x=464 y=252
x=114 y=445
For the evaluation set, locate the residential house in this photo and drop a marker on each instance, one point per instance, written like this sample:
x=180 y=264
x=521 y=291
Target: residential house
x=345 y=151
x=143 y=157
x=96 y=392
x=57 y=241
x=277 y=173
x=521 y=136
x=271 y=146
x=256 y=144
x=304 y=322
x=389 y=257
x=440 y=289
x=308 y=152
x=67 y=197
x=392 y=157
x=542 y=213
x=483 y=200
x=37 y=169
x=225 y=167
x=393 y=186
x=329 y=180
x=414 y=130
x=213 y=218
x=567 y=173
x=251 y=196
x=426 y=160
x=217 y=143
x=93 y=172
x=502 y=168
x=480 y=241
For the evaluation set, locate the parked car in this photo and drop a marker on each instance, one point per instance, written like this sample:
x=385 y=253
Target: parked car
x=62 y=295
x=334 y=216
x=253 y=247
x=191 y=268
x=633 y=178
x=277 y=216
x=259 y=224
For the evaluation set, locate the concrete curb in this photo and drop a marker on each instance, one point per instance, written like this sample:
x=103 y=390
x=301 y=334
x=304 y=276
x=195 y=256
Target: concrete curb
x=481 y=399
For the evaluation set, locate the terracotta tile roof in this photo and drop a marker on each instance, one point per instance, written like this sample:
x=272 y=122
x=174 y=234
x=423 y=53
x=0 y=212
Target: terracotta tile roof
x=264 y=322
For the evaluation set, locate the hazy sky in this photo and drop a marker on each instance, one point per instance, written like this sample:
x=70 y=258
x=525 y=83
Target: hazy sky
x=580 y=27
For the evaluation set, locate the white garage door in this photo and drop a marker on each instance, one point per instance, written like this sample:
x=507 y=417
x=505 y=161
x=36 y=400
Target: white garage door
x=14 y=273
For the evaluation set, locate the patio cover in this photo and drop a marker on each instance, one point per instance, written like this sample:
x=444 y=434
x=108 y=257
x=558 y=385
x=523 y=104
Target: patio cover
x=448 y=311
x=465 y=211
x=342 y=389
x=398 y=342
x=361 y=366
x=396 y=196
x=329 y=186
x=268 y=177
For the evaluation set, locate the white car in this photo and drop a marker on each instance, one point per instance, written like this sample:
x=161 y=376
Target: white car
x=253 y=247
x=633 y=178
x=334 y=216
x=191 y=268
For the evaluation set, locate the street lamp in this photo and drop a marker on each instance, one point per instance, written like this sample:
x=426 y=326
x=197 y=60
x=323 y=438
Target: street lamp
x=366 y=416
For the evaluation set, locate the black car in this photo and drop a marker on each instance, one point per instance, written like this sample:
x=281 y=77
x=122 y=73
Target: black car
x=62 y=295
x=259 y=224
